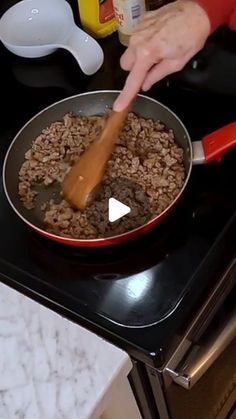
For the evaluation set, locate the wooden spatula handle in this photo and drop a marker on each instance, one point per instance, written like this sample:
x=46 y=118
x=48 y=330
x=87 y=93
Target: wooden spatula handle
x=112 y=127
x=88 y=172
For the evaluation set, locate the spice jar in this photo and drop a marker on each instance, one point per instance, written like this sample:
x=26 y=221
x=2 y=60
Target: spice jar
x=127 y=14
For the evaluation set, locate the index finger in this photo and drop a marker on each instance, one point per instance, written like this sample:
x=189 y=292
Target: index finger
x=133 y=83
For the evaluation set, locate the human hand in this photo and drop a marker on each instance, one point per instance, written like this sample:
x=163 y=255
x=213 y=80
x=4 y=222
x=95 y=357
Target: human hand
x=161 y=44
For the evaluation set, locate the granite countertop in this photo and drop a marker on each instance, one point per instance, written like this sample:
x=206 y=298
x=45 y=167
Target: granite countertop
x=50 y=367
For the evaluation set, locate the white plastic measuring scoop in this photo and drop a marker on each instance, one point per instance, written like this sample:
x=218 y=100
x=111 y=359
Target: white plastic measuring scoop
x=35 y=28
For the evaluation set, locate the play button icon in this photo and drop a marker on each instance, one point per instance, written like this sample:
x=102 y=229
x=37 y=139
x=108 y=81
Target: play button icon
x=116 y=210
x=120 y=206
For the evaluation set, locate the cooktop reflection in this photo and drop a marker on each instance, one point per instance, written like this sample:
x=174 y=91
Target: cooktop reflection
x=137 y=284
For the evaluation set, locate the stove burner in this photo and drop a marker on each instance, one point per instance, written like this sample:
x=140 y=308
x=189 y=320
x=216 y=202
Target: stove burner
x=146 y=269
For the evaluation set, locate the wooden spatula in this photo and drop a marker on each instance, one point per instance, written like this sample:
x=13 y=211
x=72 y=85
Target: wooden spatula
x=82 y=179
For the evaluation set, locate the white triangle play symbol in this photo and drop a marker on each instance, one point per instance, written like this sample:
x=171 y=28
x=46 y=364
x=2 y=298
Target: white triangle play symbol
x=116 y=210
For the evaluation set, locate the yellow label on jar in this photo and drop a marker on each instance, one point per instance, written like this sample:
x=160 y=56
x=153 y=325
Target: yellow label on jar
x=106 y=11
x=97 y=17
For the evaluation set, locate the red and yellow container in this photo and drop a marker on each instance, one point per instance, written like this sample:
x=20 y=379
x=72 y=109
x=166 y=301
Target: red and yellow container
x=97 y=17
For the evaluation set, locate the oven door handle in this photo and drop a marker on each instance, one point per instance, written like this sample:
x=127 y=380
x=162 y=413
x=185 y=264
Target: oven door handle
x=200 y=358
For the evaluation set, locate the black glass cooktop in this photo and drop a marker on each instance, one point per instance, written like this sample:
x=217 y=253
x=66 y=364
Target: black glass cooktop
x=136 y=295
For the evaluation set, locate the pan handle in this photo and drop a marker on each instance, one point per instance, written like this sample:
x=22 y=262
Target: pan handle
x=213 y=146
x=216 y=144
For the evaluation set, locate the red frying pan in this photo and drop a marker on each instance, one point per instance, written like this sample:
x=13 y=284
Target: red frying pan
x=210 y=148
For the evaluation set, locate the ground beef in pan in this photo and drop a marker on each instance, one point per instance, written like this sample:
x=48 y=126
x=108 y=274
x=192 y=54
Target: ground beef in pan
x=145 y=168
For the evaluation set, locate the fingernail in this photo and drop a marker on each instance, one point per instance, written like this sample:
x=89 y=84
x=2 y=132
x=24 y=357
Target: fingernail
x=145 y=88
x=116 y=106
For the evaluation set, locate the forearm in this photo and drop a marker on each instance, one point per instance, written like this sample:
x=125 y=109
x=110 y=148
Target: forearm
x=220 y=12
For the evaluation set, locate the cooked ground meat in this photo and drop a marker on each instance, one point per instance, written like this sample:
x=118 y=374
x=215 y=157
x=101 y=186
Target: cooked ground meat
x=146 y=172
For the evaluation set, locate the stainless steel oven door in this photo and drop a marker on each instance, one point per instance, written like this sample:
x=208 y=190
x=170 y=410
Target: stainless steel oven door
x=213 y=396
x=202 y=356
x=200 y=376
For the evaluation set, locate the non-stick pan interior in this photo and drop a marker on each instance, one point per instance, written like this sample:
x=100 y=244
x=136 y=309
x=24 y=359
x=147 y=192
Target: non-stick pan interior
x=88 y=104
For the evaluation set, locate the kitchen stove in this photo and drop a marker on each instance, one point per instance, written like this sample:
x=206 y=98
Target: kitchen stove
x=142 y=294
